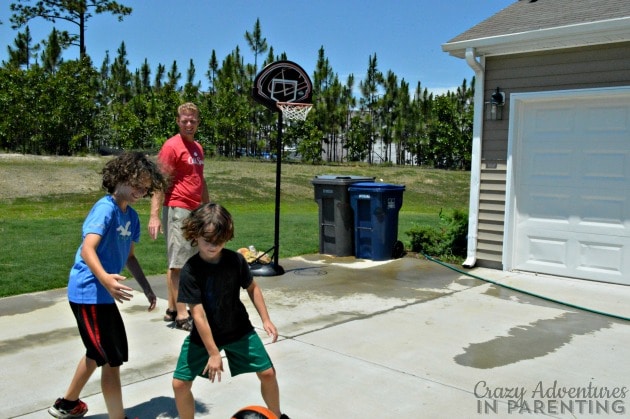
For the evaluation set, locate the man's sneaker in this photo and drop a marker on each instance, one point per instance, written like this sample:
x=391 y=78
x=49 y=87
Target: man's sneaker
x=58 y=409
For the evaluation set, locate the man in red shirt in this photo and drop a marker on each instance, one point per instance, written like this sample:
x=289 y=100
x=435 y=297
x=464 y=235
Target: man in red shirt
x=181 y=159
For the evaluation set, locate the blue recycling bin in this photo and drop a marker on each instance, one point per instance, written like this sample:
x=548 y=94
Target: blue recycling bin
x=336 y=220
x=376 y=207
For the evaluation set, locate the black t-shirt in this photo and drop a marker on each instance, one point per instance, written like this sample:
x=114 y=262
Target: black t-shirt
x=217 y=287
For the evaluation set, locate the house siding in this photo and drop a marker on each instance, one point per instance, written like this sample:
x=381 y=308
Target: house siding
x=576 y=68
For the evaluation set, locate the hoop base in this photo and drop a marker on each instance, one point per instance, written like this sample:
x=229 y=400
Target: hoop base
x=269 y=269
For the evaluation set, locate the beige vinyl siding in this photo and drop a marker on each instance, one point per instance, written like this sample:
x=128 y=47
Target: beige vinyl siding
x=575 y=68
x=491 y=214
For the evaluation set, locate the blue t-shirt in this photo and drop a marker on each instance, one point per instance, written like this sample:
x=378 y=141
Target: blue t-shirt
x=118 y=230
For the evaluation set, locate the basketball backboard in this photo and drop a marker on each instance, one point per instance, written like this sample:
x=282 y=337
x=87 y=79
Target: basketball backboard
x=282 y=81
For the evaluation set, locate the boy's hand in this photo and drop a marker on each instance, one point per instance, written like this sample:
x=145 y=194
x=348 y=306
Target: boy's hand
x=271 y=330
x=152 y=299
x=214 y=368
x=117 y=290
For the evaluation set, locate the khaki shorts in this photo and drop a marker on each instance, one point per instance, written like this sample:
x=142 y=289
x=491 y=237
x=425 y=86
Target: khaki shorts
x=178 y=249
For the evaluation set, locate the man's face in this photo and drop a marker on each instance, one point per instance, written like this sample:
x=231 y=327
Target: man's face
x=188 y=124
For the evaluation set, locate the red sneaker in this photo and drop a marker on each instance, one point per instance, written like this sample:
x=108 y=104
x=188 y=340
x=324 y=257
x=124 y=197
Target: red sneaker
x=61 y=410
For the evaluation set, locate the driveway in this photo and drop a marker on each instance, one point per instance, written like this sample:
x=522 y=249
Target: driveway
x=359 y=339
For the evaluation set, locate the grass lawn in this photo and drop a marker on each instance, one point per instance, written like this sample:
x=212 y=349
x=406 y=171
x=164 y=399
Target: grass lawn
x=43 y=202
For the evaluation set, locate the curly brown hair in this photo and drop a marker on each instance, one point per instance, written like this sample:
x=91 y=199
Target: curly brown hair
x=132 y=168
x=210 y=221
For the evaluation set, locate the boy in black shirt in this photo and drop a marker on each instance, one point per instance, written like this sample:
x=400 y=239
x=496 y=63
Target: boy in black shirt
x=210 y=284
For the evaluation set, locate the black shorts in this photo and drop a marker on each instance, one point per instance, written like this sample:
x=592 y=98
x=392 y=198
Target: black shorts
x=103 y=333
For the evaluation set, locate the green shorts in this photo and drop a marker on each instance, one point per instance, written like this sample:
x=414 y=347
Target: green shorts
x=247 y=354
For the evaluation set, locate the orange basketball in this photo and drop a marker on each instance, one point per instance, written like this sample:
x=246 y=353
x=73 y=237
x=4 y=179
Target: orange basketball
x=254 y=412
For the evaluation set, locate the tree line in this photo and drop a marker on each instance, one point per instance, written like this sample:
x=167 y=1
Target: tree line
x=72 y=107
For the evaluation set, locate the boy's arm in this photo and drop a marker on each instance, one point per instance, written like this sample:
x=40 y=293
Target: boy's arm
x=136 y=270
x=215 y=363
x=256 y=296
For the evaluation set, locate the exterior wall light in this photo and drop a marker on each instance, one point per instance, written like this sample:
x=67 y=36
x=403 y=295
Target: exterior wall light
x=494 y=108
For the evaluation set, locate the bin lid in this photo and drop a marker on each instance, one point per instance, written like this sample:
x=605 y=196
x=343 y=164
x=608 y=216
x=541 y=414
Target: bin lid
x=339 y=179
x=375 y=187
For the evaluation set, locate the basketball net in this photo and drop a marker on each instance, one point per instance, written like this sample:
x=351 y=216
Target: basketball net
x=294 y=111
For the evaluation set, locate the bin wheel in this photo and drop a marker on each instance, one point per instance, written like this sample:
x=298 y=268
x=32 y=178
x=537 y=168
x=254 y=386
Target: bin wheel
x=399 y=250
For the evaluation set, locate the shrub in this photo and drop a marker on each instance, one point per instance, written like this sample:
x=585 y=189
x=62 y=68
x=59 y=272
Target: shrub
x=446 y=241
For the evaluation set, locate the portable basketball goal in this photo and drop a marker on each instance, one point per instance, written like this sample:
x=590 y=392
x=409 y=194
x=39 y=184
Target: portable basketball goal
x=285 y=88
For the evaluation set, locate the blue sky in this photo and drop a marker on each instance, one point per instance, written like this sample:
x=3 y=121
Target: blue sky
x=405 y=35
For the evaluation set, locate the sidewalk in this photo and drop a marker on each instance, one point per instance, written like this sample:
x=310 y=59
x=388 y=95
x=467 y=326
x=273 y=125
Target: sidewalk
x=403 y=338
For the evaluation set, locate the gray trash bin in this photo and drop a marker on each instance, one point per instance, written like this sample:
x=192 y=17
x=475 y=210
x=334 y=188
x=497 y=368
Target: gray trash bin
x=336 y=218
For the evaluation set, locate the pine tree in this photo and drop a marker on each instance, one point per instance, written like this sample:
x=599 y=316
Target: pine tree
x=51 y=56
x=76 y=12
x=256 y=42
x=21 y=55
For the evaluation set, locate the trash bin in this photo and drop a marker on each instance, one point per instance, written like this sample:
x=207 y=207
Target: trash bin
x=376 y=207
x=336 y=220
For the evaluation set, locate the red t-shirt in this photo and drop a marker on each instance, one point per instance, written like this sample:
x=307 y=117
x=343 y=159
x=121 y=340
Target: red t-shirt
x=182 y=161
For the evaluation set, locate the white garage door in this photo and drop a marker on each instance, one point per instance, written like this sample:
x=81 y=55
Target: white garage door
x=569 y=184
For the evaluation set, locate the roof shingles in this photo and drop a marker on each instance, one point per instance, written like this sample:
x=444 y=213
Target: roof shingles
x=524 y=16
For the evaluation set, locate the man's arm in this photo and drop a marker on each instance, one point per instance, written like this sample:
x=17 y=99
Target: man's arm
x=155 y=222
x=205 y=196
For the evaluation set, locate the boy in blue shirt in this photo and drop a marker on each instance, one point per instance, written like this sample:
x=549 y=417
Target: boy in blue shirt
x=109 y=233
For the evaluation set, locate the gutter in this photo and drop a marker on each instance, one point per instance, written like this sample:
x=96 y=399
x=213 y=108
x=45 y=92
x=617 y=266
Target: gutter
x=475 y=168
x=546 y=39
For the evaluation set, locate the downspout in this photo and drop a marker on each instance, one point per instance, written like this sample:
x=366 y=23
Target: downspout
x=475 y=163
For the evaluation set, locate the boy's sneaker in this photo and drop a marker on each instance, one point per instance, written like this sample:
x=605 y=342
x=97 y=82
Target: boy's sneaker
x=66 y=410
x=283 y=416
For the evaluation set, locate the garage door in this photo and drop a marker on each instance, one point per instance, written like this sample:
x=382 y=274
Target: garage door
x=569 y=184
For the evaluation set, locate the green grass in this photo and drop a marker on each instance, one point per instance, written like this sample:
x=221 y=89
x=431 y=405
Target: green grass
x=43 y=204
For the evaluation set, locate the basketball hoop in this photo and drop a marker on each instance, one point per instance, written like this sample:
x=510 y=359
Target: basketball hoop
x=294 y=111
x=281 y=86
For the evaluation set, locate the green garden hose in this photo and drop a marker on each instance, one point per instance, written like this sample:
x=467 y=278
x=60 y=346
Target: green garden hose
x=564 y=303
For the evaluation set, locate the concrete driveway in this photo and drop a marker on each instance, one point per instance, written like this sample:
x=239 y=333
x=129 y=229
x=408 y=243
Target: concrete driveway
x=359 y=339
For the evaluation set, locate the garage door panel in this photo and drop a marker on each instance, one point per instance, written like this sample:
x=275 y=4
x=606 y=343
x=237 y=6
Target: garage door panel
x=610 y=166
x=602 y=166
x=548 y=205
x=541 y=250
x=595 y=208
x=606 y=118
x=548 y=164
x=593 y=257
x=570 y=203
x=601 y=258
x=552 y=118
x=568 y=169
x=605 y=212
